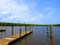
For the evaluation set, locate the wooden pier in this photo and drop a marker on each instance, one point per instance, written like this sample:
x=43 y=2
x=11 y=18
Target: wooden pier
x=6 y=41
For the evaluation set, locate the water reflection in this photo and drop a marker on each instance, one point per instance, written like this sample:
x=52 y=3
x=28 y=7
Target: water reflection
x=26 y=41
x=51 y=41
x=47 y=32
x=51 y=31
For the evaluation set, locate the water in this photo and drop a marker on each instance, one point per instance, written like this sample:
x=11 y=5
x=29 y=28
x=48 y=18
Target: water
x=38 y=37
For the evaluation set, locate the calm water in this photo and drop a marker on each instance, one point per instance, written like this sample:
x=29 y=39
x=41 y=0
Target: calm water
x=38 y=37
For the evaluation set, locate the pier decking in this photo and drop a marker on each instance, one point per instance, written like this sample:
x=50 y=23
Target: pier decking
x=6 y=41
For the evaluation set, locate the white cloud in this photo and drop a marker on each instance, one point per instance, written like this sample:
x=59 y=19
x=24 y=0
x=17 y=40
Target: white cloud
x=21 y=12
x=5 y=12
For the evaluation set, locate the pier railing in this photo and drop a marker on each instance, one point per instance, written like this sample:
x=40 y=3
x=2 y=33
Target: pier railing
x=25 y=25
x=15 y=24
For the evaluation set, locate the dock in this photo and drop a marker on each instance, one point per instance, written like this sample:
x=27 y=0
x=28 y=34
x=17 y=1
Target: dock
x=6 y=41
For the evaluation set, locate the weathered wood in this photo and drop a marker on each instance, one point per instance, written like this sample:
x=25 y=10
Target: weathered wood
x=6 y=41
x=20 y=31
x=12 y=30
x=32 y=28
x=51 y=32
x=5 y=27
x=25 y=29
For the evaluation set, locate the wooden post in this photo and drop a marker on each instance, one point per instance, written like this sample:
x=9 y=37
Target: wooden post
x=32 y=28
x=5 y=27
x=47 y=30
x=51 y=32
x=5 y=30
x=25 y=30
x=20 y=31
x=1 y=27
x=12 y=30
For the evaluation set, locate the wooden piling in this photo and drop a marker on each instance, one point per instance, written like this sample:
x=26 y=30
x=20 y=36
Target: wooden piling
x=25 y=29
x=5 y=27
x=51 y=31
x=1 y=26
x=32 y=28
x=47 y=30
x=51 y=41
x=20 y=31
x=12 y=30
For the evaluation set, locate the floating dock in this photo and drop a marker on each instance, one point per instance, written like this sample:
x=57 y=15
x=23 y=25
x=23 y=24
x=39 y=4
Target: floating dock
x=6 y=41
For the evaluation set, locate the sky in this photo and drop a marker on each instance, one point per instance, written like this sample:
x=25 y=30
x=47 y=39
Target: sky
x=30 y=11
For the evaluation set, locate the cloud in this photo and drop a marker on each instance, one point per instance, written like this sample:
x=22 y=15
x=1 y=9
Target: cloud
x=23 y=13
x=5 y=12
x=11 y=11
x=14 y=11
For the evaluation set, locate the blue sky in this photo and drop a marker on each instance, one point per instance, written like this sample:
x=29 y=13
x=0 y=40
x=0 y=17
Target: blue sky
x=30 y=11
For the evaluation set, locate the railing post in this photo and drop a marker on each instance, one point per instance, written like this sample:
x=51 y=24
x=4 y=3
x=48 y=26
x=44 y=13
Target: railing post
x=25 y=30
x=20 y=31
x=32 y=28
x=51 y=32
x=5 y=27
x=47 y=30
x=5 y=30
x=1 y=27
x=12 y=30
x=51 y=35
